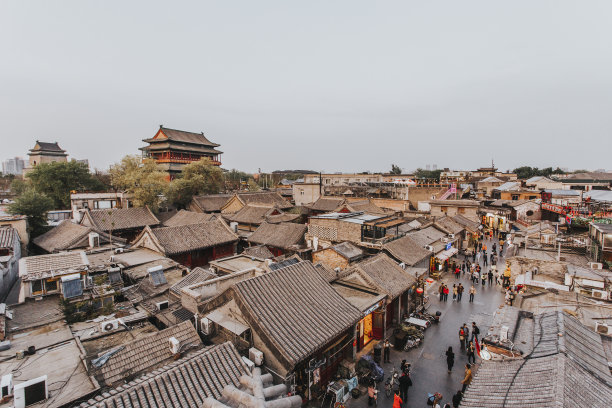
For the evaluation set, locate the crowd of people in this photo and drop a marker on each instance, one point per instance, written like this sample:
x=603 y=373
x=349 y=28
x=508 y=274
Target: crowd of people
x=480 y=266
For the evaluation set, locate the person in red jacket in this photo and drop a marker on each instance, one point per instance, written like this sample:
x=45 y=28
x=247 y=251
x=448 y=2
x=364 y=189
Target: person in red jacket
x=397 y=401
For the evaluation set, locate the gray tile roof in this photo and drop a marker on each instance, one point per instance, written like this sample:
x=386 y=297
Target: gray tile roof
x=407 y=250
x=42 y=266
x=210 y=203
x=68 y=235
x=197 y=275
x=448 y=225
x=567 y=367
x=327 y=204
x=284 y=235
x=467 y=223
x=348 y=250
x=8 y=236
x=259 y=251
x=184 y=217
x=120 y=218
x=187 y=137
x=295 y=309
x=147 y=352
x=47 y=146
x=270 y=198
x=426 y=236
x=384 y=273
x=253 y=214
x=193 y=237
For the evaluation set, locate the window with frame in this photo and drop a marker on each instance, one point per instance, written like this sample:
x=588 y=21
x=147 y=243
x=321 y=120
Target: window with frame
x=51 y=286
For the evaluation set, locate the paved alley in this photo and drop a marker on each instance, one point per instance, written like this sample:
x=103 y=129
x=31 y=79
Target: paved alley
x=429 y=370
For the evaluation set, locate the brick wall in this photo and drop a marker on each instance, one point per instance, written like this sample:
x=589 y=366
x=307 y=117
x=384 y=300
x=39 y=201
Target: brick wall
x=330 y=258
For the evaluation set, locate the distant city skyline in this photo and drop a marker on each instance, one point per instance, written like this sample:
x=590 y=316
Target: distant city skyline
x=341 y=86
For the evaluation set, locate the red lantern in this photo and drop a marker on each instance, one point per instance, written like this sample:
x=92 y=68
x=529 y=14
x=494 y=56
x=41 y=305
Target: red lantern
x=419 y=291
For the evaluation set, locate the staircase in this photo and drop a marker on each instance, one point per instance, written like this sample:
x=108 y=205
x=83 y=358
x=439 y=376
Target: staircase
x=449 y=192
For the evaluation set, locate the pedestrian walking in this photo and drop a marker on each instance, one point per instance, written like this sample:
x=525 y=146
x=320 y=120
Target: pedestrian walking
x=450 y=359
x=457 y=399
x=460 y=292
x=441 y=292
x=472 y=293
x=462 y=338
x=483 y=278
x=454 y=292
x=372 y=394
x=495 y=247
x=386 y=351
x=496 y=278
x=485 y=258
x=490 y=276
x=467 y=379
x=397 y=400
x=457 y=272
x=471 y=352
x=512 y=296
x=475 y=331
x=446 y=290
x=404 y=383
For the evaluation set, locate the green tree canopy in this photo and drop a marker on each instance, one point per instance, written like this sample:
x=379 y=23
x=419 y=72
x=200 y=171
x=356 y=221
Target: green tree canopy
x=57 y=179
x=428 y=174
x=525 y=172
x=200 y=177
x=34 y=205
x=143 y=178
x=395 y=169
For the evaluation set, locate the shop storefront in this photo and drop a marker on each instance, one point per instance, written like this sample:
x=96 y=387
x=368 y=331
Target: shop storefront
x=496 y=221
x=371 y=327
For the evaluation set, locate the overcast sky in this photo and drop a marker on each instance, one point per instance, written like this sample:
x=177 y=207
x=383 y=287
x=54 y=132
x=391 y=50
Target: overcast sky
x=322 y=85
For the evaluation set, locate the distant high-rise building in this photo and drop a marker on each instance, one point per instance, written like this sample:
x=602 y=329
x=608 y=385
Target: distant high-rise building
x=428 y=167
x=434 y=167
x=13 y=166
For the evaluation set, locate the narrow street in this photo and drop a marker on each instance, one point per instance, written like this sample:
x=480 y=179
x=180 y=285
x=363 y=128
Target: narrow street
x=429 y=371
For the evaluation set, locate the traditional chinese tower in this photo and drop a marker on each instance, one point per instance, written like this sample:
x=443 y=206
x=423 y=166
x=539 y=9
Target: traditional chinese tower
x=173 y=149
x=45 y=152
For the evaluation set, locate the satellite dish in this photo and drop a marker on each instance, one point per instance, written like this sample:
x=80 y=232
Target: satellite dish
x=485 y=355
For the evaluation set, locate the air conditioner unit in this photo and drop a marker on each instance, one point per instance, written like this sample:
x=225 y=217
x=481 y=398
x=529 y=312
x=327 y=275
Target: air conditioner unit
x=30 y=392
x=110 y=325
x=88 y=282
x=451 y=236
x=503 y=333
x=119 y=250
x=595 y=265
x=234 y=226
x=175 y=345
x=402 y=265
x=429 y=248
x=206 y=326
x=256 y=356
x=6 y=385
x=444 y=239
x=599 y=294
x=162 y=305
x=250 y=365
x=599 y=328
x=94 y=240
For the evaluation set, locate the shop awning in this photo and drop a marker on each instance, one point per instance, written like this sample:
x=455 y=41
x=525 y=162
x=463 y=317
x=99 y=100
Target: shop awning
x=227 y=322
x=444 y=255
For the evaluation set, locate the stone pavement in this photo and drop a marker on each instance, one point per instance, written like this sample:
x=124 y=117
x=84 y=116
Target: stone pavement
x=429 y=371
